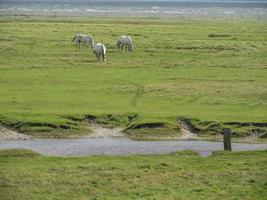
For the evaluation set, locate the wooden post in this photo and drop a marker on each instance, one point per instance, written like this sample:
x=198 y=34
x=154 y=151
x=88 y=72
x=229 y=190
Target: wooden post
x=227 y=139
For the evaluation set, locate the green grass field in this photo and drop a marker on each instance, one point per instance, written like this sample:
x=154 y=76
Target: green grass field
x=184 y=175
x=205 y=70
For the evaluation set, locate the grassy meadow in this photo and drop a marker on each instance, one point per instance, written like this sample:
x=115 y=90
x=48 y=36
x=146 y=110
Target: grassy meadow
x=206 y=71
x=182 y=175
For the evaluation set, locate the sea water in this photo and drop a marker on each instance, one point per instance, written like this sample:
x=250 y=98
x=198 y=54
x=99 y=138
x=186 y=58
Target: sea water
x=135 y=8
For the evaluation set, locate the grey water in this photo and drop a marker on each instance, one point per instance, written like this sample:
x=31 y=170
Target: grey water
x=120 y=146
x=135 y=8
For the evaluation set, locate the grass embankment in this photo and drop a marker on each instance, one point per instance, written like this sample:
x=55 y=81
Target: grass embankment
x=212 y=71
x=184 y=175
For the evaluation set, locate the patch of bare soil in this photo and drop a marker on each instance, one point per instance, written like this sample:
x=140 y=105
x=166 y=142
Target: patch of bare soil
x=186 y=133
x=8 y=134
x=99 y=131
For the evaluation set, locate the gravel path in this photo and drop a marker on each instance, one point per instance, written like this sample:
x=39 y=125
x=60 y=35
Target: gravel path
x=119 y=146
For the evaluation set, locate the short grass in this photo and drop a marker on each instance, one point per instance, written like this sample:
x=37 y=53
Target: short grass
x=205 y=69
x=183 y=175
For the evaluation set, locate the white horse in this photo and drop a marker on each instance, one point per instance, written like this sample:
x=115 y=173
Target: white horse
x=80 y=38
x=125 y=41
x=100 y=51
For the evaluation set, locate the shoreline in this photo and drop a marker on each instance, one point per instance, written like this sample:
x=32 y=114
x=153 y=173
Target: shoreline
x=167 y=19
x=98 y=131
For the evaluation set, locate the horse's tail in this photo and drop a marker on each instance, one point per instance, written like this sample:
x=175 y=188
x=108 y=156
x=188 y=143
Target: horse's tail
x=130 y=44
x=104 y=50
x=92 y=42
x=129 y=38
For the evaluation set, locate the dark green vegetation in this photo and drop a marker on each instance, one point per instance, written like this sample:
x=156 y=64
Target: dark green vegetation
x=213 y=73
x=155 y=130
x=183 y=175
x=238 y=129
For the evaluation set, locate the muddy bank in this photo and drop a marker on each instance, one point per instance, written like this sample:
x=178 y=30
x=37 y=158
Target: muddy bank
x=215 y=128
x=133 y=126
x=8 y=134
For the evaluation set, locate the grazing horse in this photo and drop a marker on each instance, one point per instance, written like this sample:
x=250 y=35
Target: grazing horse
x=80 y=38
x=125 y=41
x=100 y=50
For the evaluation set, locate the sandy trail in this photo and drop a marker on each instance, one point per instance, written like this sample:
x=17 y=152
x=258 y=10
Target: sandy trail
x=8 y=134
x=99 y=131
x=186 y=133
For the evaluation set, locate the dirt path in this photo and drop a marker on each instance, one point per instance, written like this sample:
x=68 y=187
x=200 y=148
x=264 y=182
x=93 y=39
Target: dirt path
x=8 y=134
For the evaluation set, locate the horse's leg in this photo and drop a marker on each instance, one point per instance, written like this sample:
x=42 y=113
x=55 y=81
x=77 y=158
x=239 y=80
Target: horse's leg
x=95 y=53
x=104 y=57
x=121 y=47
x=90 y=45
